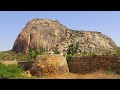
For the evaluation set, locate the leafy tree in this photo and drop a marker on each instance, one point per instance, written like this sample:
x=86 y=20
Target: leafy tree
x=68 y=58
x=34 y=53
x=72 y=50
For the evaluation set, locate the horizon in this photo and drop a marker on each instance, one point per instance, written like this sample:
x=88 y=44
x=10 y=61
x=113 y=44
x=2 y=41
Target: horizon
x=106 y=22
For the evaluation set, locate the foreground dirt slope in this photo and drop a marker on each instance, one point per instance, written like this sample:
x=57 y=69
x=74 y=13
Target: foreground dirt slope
x=95 y=75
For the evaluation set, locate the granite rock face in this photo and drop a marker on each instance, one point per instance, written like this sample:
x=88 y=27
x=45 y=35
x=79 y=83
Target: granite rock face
x=51 y=35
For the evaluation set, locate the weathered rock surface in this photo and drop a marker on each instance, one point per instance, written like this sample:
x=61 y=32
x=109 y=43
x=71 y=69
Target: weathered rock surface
x=49 y=64
x=46 y=34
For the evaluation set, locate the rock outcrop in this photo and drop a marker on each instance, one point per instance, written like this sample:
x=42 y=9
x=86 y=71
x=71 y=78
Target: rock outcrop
x=46 y=34
x=49 y=64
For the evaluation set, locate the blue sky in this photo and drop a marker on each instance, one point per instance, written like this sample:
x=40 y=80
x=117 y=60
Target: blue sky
x=12 y=22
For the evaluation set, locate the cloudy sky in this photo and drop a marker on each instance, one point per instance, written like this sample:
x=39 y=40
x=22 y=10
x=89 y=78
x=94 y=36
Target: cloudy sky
x=12 y=22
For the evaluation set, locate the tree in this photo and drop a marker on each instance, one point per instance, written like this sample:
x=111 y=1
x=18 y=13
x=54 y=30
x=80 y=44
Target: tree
x=34 y=53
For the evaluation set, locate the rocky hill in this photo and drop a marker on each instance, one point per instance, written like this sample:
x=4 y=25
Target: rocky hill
x=50 y=35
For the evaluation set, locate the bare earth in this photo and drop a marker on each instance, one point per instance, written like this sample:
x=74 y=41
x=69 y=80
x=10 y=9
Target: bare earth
x=96 y=75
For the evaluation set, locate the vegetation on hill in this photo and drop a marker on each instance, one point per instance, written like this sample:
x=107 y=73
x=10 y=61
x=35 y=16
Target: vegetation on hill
x=34 y=53
x=10 y=55
x=118 y=51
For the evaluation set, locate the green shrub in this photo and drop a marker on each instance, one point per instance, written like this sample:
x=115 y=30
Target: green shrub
x=83 y=54
x=118 y=51
x=55 y=50
x=92 y=53
x=11 y=72
x=68 y=58
x=72 y=49
x=38 y=52
x=34 y=53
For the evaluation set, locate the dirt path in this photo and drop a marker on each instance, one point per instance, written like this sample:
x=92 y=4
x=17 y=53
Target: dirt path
x=96 y=75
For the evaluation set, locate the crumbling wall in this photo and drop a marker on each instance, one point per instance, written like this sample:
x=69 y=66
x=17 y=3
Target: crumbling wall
x=89 y=64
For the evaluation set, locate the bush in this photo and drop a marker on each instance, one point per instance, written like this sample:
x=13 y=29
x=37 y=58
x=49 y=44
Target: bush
x=118 y=51
x=11 y=72
x=72 y=51
x=68 y=58
x=34 y=53
x=83 y=54
x=92 y=53
x=55 y=50
x=38 y=52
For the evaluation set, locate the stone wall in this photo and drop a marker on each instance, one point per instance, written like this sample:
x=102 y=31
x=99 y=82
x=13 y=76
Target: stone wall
x=89 y=64
x=49 y=64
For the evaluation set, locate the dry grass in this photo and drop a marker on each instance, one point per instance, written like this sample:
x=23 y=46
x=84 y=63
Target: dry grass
x=95 y=75
x=100 y=75
x=9 y=62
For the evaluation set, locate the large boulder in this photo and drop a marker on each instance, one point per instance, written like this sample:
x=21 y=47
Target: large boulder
x=51 y=35
x=49 y=64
